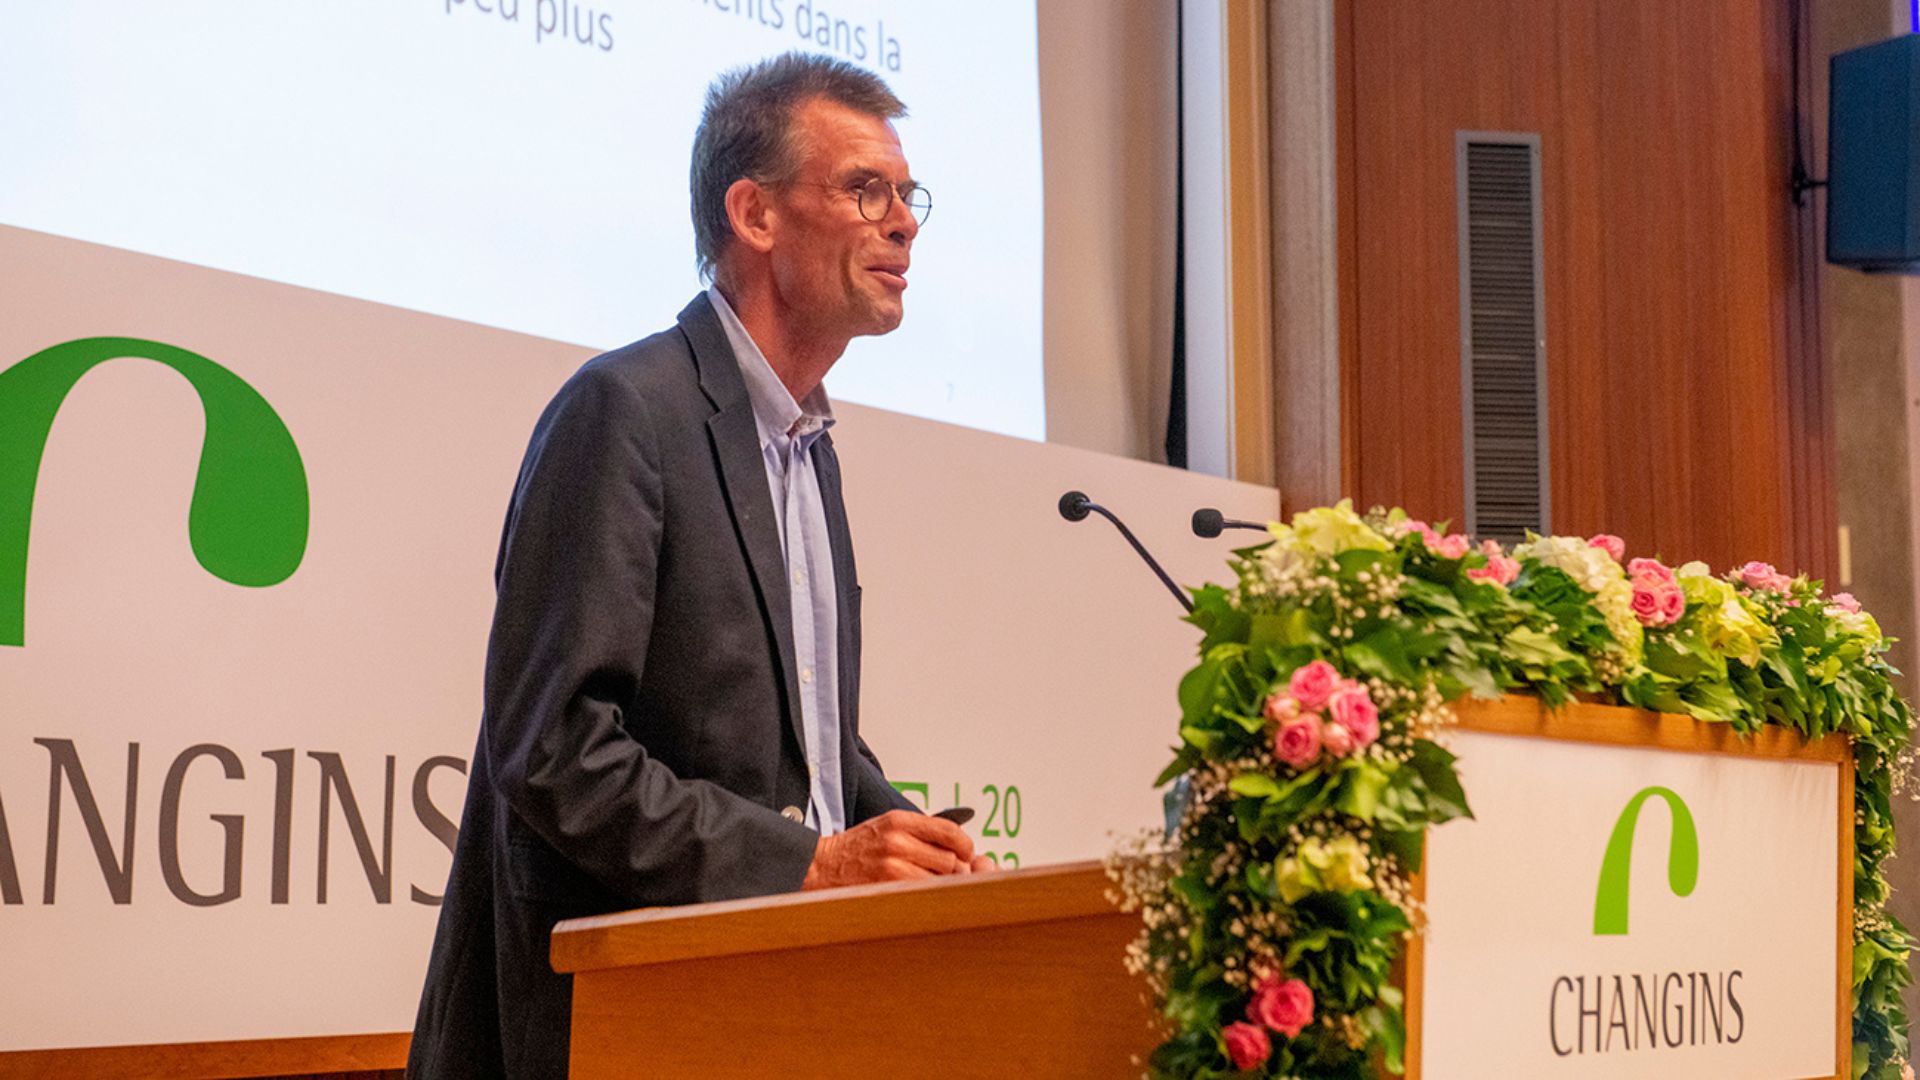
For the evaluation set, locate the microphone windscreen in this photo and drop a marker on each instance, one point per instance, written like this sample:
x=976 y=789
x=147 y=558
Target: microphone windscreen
x=1207 y=523
x=1073 y=505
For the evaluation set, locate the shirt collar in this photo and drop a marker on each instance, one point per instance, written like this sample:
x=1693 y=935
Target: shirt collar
x=775 y=413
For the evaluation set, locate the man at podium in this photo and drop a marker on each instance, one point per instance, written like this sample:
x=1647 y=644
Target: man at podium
x=672 y=679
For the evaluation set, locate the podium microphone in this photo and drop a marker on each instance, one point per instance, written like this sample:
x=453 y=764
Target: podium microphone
x=1208 y=524
x=1075 y=506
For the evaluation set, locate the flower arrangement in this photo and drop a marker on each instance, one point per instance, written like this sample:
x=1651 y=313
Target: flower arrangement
x=1311 y=762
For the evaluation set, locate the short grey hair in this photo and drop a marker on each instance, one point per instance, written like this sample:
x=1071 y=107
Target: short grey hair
x=746 y=131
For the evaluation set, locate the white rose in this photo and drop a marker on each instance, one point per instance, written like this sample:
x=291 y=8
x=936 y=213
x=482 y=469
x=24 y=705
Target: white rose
x=1590 y=567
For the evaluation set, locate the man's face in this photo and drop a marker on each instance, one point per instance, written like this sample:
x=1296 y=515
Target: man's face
x=839 y=274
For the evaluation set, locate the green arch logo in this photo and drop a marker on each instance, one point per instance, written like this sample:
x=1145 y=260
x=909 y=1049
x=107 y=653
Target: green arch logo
x=1683 y=860
x=248 y=520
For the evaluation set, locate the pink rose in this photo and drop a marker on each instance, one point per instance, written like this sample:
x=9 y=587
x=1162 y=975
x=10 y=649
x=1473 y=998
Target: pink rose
x=1499 y=570
x=1451 y=546
x=1845 y=602
x=1655 y=604
x=1646 y=605
x=1247 y=1045
x=1611 y=544
x=1281 y=708
x=1313 y=684
x=1286 y=1007
x=1492 y=547
x=1336 y=740
x=1761 y=575
x=1427 y=535
x=1651 y=568
x=1298 y=741
x=1352 y=709
x=1673 y=603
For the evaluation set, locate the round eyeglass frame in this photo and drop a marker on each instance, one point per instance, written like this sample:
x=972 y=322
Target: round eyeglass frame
x=875 y=199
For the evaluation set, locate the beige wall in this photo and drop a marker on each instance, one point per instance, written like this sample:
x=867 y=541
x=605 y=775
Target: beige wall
x=1107 y=125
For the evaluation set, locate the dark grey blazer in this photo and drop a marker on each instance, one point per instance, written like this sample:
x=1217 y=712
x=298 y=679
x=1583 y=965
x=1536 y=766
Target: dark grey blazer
x=642 y=731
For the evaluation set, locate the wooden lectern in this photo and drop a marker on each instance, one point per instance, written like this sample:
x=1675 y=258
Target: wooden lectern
x=1008 y=974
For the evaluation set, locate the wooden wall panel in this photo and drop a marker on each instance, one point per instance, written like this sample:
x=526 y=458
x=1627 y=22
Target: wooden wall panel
x=1685 y=412
x=1348 y=248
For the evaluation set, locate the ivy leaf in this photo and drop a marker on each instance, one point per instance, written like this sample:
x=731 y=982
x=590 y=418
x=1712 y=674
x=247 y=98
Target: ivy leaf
x=1711 y=701
x=1199 y=738
x=1865 y=954
x=1422 y=647
x=1683 y=657
x=1428 y=594
x=1533 y=648
x=1383 y=920
x=1654 y=691
x=1183 y=759
x=1406 y=846
x=1353 y=561
x=1246 y=818
x=1384 y=1025
x=1286 y=630
x=1191 y=1052
x=1350 y=985
x=1789 y=664
x=1255 y=785
x=1196 y=691
x=1217 y=617
x=1434 y=764
x=1383 y=655
x=1476 y=680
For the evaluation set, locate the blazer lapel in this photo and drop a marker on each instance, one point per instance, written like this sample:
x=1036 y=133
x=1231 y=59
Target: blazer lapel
x=743 y=474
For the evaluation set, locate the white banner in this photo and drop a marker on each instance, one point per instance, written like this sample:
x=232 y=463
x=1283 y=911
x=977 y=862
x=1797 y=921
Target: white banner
x=227 y=808
x=1632 y=914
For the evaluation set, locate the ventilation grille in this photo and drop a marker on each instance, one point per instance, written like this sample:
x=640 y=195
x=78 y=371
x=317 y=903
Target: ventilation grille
x=1503 y=350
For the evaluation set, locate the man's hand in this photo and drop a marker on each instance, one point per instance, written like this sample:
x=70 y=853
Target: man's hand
x=895 y=846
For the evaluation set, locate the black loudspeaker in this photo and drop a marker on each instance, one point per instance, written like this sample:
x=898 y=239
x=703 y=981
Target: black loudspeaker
x=1873 y=157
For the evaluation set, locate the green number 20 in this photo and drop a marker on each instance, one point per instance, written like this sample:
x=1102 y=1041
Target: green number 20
x=1007 y=809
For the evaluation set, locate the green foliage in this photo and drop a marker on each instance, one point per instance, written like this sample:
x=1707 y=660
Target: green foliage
x=1299 y=871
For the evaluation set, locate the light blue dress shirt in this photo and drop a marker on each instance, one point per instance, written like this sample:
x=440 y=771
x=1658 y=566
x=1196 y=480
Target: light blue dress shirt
x=788 y=431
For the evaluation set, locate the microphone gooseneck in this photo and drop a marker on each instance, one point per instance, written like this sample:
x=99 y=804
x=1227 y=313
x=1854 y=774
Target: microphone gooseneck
x=1075 y=506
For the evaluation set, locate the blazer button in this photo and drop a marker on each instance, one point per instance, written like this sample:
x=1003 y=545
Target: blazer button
x=793 y=813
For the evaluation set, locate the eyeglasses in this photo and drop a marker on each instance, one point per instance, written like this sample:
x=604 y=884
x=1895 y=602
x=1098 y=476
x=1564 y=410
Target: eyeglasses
x=876 y=200
x=876 y=196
